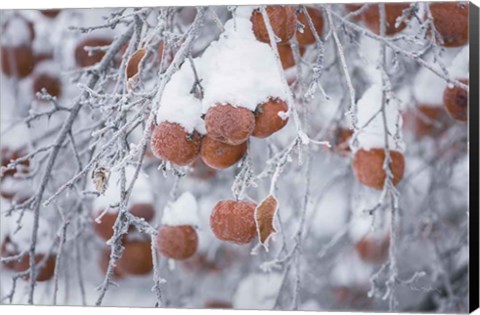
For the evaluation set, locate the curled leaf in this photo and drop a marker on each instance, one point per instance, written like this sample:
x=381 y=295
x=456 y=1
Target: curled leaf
x=264 y=219
x=133 y=67
x=100 y=177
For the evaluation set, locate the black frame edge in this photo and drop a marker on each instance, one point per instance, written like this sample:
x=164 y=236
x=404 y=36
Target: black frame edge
x=474 y=158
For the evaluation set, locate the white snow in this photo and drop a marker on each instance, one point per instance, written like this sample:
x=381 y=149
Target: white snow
x=245 y=70
x=370 y=121
x=363 y=224
x=460 y=183
x=459 y=69
x=141 y=192
x=183 y=211
x=16 y=33
x=22 y=238
x=178 y=105
x=244 y=11
x=331 y=213
x=350 y=270
x=15 y=134
x=4 y=222
x=258 y=291
x=49 y=67
x=245 y=74
x=428 y=88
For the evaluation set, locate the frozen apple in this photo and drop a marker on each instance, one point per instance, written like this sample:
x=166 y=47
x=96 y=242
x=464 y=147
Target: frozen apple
x=456 y=102
x=425 y=120
x=85 y=58
x=268 y=118
x=282 y=19
x=177 y=242
x=233 y=221
x=229 y=124
x=44 y=273
x=368 y=166
x=136 y=258
x=50 y=83
x=451 y=22
x=393 y=11
x=286 y=55
x=307 y=37
x=219 y=155
x=173 y=143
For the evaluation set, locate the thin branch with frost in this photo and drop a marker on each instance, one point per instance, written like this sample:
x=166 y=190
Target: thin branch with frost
x=340 y=50
x=412 y=55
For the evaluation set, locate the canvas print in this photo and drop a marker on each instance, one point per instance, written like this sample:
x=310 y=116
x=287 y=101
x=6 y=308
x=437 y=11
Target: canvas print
x=289 y=157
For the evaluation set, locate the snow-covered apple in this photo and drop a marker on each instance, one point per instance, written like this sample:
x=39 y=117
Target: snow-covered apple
x=177 y=237
x=229 y=124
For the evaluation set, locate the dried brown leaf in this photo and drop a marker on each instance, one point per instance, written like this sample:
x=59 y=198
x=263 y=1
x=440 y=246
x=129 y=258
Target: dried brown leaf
x=264 y=219
x=133 y=67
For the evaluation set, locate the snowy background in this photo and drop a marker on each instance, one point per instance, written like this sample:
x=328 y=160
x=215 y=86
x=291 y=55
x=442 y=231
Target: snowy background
x=367 y=163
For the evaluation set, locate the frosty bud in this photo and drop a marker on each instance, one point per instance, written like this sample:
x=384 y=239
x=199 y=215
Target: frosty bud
x=171 y=142
x=308 y=37
x=234 y=221
x=267 y=118
x=455 y=100
x=451 y=21
x=219 y=155
x=368 y=166
x=229 y=124
x=282 y=19
x=177 y=242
